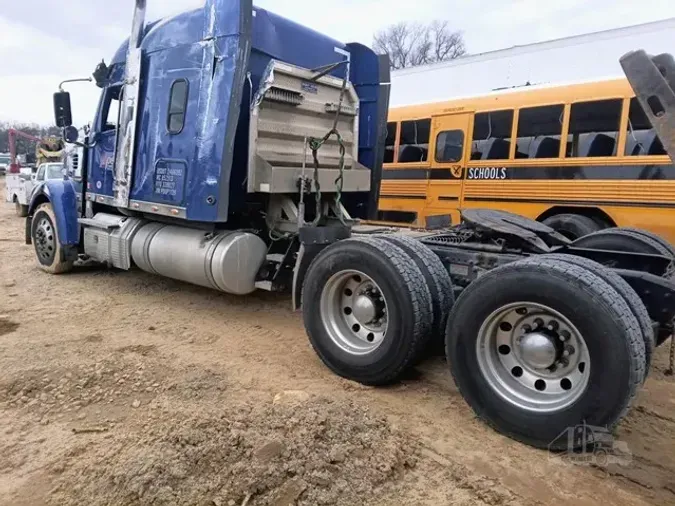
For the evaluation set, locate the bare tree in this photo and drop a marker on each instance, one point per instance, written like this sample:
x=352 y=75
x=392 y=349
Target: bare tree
x=410 y=44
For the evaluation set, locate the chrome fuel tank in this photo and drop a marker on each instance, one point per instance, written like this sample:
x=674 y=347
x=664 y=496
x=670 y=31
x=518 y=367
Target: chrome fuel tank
x=228 y=261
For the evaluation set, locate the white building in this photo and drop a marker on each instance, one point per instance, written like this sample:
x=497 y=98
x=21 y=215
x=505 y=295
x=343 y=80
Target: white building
x=580 y=58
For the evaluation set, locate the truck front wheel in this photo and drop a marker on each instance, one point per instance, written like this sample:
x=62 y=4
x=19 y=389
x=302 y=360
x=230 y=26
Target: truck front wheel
x=51 y=256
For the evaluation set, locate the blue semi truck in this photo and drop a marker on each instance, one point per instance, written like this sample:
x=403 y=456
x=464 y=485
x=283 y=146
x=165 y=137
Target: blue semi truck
x=234 y=149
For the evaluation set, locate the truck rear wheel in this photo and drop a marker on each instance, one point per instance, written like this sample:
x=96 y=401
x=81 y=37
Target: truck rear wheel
x=51 y=256
x=537 y=347
x=366 y=308
x=437 y=279
x=632 y=240
x=624 y=289
x=20 y=209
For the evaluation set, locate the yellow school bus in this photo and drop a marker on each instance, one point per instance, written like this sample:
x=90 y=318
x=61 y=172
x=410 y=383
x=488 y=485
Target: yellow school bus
x=578 y=157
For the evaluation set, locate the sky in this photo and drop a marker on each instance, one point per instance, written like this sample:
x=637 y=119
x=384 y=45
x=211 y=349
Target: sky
x=41 y=45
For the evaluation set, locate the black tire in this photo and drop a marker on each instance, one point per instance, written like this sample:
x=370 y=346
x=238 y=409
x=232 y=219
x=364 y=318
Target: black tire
x=665 y=249
x=610 y=329
x=620 y=239
x=51 y=256
x=20 y=209
x=624 y=289
x=572 y=226
x=408 y=309
x=437 y=279
x=602 y=222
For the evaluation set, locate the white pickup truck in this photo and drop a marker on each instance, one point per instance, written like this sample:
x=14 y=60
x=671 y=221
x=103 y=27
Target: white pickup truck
x=4 y=163
x=19 y=187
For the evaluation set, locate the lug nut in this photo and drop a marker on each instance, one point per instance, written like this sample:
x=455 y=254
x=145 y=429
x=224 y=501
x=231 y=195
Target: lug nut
x=552 y=325
x=564 y=335
x=569 y=350
x=564 y=362
x=527 y=328
x=538 y=323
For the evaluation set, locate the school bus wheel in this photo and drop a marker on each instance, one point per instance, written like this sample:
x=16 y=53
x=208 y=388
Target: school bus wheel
x=572 y=226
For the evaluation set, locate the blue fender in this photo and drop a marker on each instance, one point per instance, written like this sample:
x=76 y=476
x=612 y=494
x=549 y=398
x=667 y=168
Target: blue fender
x=62 y=194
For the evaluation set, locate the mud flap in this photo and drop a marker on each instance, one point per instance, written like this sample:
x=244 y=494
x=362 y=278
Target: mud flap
x=653 y=81
x=312 y=241
x=29 y=226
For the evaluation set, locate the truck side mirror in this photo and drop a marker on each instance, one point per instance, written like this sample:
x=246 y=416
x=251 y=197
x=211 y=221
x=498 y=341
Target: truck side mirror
x=62 y=112
x=70 y=134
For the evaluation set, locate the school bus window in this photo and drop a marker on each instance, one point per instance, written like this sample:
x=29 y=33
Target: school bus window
x=389 y=143
x=539 y=130
x=449 y=146
x=492 y=135
x=641 y=139
x=594 y=128
x=414 y=141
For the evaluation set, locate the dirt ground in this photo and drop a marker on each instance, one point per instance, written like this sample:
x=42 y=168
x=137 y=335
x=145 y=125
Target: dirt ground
x=124 y=388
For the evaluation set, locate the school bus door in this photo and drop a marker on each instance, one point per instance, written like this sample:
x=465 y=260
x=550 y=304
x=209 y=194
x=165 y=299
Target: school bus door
x=449 y=149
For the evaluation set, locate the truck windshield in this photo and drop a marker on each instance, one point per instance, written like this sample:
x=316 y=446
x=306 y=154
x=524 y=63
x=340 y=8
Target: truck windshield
x=4 y=160
x=54 y=171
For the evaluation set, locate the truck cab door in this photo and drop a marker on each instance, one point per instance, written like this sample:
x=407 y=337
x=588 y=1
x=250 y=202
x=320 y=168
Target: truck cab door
x=449 y=151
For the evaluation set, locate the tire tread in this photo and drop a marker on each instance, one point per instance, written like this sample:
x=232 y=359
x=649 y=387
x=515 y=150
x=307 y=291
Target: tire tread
x=624 y=289
x=63 y=258
x=599 y=290
x=437 y=277
x=421 y=314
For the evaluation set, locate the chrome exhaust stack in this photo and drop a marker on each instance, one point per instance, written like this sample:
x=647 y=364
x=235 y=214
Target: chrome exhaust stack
x=137 y=24
x=126 y=125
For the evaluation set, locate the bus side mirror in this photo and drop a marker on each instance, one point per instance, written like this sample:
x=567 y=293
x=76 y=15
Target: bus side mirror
x=62 y=113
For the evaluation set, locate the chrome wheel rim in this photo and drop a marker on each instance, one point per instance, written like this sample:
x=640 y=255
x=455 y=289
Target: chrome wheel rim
x=45 y=240
x=354 y=312
x=533 y=357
